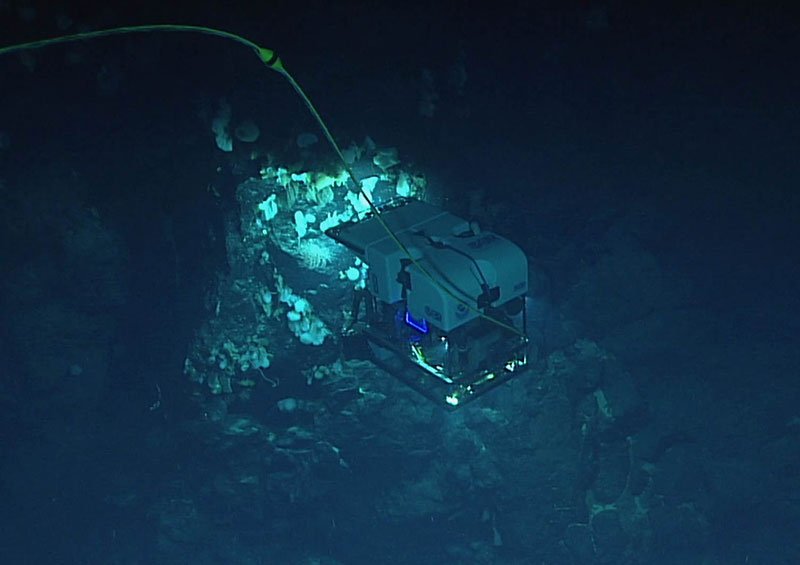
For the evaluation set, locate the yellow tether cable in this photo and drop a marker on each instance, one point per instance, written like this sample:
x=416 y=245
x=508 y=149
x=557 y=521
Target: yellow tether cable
x=271 y=60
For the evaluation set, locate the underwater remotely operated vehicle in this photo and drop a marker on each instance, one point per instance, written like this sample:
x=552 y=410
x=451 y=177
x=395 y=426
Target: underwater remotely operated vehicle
x=444 y=301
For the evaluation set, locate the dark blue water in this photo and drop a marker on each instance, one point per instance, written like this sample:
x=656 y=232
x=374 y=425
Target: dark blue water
x=644 y=161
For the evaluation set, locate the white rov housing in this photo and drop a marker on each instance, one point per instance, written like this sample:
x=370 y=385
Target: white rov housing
x=457 y=310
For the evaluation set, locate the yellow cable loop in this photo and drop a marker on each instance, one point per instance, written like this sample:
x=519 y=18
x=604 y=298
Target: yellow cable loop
x=272 y=61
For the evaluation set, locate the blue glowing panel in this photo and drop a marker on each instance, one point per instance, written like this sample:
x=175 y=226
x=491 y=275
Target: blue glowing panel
x=421 y=326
